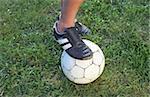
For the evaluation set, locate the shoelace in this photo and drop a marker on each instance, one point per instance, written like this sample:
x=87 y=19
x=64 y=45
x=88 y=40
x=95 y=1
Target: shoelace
x=74 y=36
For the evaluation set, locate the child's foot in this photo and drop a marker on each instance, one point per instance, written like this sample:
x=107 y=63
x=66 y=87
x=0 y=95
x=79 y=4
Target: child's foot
x=83 y=30
x=72 y=43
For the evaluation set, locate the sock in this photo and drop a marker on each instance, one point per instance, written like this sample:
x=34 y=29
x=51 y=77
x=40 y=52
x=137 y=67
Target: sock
x=60 y=33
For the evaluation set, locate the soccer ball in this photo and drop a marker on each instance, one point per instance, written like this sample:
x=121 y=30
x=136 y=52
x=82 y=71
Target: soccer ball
x=84 y=71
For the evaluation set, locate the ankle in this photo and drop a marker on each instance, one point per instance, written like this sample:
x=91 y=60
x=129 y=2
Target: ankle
x=61 y=25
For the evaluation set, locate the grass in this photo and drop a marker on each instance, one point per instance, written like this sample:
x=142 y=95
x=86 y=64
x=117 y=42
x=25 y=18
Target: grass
x=30 y=58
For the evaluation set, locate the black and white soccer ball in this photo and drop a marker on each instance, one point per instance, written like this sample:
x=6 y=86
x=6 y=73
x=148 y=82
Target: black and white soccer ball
x=84 y=71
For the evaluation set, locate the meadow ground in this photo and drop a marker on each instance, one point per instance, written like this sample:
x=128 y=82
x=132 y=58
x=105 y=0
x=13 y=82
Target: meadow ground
x=30 y=58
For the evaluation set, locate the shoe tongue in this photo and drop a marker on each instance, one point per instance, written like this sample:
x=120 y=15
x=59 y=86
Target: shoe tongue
x=73 y=34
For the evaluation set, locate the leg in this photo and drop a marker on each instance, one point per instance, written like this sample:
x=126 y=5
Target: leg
x=69 y=9
x=70 y=40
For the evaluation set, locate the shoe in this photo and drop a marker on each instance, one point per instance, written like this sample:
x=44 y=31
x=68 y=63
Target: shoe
x=72 y=43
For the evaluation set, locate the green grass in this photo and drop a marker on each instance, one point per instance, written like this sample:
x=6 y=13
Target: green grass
x=30 y=58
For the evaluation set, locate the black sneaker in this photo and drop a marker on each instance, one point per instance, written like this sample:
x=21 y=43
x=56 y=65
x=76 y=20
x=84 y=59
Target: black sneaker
x=72 y=43
x=83 y=30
